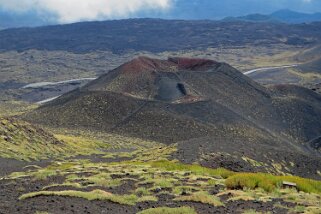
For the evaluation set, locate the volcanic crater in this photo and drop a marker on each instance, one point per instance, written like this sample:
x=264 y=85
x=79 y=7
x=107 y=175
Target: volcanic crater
x=197 y=103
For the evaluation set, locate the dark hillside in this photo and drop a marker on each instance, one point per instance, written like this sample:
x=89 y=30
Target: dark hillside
x=155 y=35
x=313 y=66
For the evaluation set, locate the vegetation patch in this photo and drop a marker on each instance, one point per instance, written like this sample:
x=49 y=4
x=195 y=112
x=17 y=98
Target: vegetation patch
x=300 y=198
x=168 y=210
x=14 y=108
x=100 y=179
x=247 y=195
x=202 y=197
x=43 y=174
x=84 y=145
x=313 y=210
x=93 y=195
x=155 y=153
x=23 y=141
x=41 y=212
x=196 y=169
x=253 y=162
x=134 y=181
x=20 y=140
x=179 y=190
x=270 y=182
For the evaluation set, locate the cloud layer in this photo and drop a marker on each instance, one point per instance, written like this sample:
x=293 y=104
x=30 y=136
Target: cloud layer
x=68 y=11
x=76 y=10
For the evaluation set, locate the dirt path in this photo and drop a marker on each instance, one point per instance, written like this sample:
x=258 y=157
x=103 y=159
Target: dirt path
x=42 y=84
x=268 y=69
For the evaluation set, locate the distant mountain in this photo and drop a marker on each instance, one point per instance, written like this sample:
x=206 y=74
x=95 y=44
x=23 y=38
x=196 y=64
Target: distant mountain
x=253 y=18
x=186 y=11
x=285 y=16
x=293 y=17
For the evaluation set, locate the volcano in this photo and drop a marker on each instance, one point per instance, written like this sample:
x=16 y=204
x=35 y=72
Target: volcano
x=211 y=110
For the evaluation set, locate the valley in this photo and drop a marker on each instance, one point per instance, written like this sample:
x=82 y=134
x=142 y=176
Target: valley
x=18 y=72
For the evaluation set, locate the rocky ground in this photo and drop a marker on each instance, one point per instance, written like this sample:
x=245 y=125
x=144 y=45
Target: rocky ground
x=137 y=181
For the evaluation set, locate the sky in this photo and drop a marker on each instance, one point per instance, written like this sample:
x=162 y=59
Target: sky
x=68 y=11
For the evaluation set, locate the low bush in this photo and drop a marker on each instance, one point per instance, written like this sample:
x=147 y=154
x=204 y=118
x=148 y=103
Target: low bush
x=197 y=169
x=201 y=197
x=93 y=195
x=270 y=182
x=168 y=210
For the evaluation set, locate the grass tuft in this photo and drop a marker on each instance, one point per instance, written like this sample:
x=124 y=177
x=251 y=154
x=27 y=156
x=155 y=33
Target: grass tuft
x=196 y=169
x=270 y=182
x=44 y=174
x=202 y=197
x=168 y=210
x=93 y=195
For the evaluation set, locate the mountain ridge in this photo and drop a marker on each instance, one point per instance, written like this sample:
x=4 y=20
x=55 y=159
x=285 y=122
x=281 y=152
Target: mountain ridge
x=33 y=19
x=155 y=35
x=283 y=16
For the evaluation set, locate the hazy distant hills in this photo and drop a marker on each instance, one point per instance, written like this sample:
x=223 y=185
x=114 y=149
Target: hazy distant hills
x=33 y=19
x=253 y=18
x=285 y=16
x=289 y=16
x=156 y=35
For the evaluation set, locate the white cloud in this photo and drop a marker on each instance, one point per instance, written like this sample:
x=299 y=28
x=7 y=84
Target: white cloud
x=76 y=10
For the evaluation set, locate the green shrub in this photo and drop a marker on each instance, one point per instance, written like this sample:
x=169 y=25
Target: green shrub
x=142 y=191
x=167 y=210
x=43 y=174
x=197 y=169
x=93 y=195
x=270 y=182
x=201 y=197
x=103 y=180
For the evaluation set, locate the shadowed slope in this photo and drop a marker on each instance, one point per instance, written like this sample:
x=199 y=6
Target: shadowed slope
x=313 y=66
